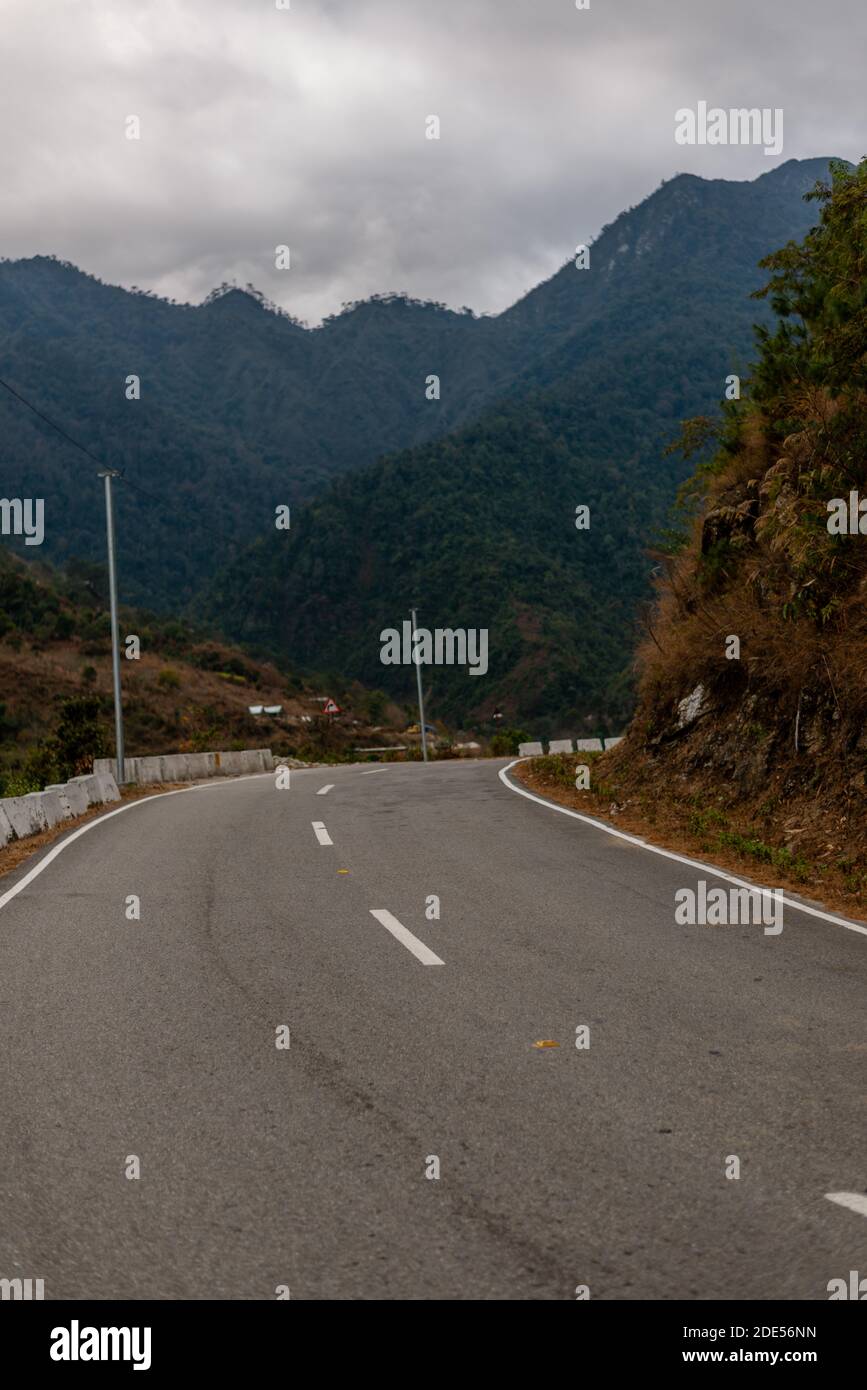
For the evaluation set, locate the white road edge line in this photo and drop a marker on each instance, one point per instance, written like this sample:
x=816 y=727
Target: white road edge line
x=855 y=1201
x=226 y=782
x=670 y=854
x=371 y=770
x=98 y=820
x=321 y=833
x=329 y=786
x=412 y=943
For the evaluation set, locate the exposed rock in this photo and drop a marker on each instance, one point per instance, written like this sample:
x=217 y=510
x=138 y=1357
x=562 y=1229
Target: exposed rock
x=690 y=708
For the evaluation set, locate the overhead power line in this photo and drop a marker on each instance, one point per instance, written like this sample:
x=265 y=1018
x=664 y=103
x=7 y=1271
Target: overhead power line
x=68 y=437
x=76 y=444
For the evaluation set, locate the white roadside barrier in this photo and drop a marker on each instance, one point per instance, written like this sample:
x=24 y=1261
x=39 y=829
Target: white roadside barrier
x=565 y=745
x=188 y=767
x=19 y=812
x=73 y=798
x=47 y=809
x=98 y=787
x=21 y=816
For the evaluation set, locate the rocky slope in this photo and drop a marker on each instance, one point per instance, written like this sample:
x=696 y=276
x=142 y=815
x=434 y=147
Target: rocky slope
x=750 y=737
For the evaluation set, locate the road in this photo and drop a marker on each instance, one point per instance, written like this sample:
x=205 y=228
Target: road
x=305 y=1166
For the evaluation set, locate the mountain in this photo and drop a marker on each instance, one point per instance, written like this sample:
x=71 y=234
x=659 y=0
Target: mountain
x=478 y=527
x=242 y=408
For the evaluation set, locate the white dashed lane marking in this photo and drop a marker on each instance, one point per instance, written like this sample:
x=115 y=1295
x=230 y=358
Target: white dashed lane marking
x=405 y=937
x=854 y=1201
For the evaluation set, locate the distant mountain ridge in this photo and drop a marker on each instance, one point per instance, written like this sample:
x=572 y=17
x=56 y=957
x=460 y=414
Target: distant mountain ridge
x=242 y=408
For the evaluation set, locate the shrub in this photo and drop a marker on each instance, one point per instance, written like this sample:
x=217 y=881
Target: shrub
x=505 y=742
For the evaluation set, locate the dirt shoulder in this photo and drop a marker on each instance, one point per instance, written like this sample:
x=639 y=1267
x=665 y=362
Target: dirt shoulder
x=683 y=822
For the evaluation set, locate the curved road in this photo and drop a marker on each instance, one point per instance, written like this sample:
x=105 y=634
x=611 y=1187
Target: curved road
x=305 y=1166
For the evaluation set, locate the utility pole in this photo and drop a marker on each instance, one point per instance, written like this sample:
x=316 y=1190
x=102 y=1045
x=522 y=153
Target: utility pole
x=115 y=639
x=107 y=474
x=420 y=696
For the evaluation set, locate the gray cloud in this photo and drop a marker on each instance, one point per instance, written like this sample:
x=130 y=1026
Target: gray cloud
x=263 y=126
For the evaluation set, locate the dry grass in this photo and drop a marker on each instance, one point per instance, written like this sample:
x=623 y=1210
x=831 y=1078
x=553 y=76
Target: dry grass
x=154 y=712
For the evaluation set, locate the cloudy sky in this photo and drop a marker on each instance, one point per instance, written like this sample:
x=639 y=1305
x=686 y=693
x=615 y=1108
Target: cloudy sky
x=306 y=126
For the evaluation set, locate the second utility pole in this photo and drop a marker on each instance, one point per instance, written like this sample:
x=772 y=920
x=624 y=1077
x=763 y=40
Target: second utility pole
x=420 y=696
x=115 y=640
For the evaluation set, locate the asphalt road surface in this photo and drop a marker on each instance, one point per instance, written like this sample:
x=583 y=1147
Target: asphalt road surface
x=412 y=1039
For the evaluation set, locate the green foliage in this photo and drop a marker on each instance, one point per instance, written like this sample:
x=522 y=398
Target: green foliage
x=702 y=821
x=807 y=387
x=713 y=827
x=324 y=742
x=221 y=661
x=819 y=292
x=560 y=769
x=26 y=605
x=79 y=737
x=371 y=704
x=757 y=849
x=22 y=781
x=505 y=742
x=711 y=440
